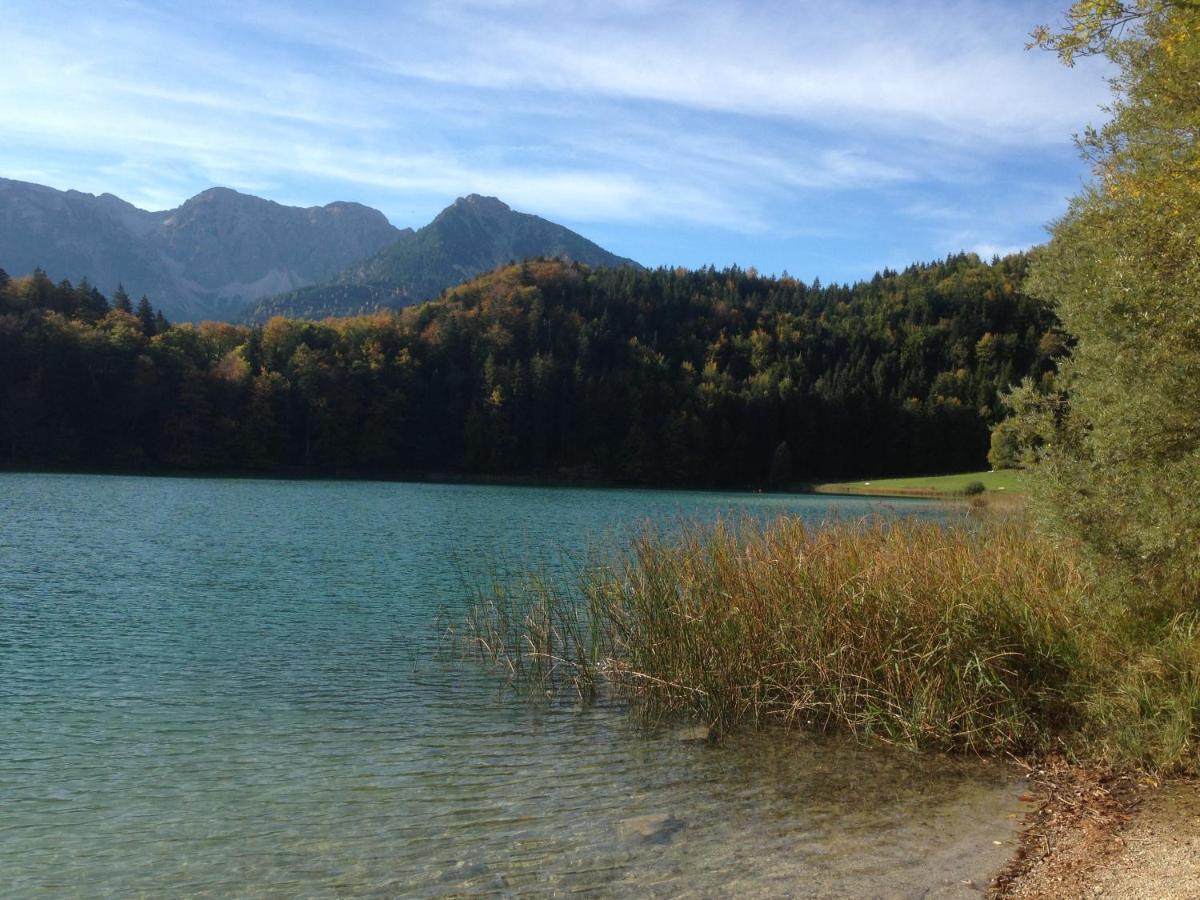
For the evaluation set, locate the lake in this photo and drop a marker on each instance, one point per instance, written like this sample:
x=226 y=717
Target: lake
x=220 y=686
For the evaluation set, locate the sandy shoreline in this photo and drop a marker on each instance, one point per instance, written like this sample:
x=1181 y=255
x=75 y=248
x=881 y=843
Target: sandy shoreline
x=1097 y=835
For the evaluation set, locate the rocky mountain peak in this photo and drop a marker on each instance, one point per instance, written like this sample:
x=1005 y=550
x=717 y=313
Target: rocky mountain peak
x=219 y=195
x=478 y=203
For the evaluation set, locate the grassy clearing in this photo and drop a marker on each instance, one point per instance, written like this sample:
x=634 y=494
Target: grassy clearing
x=1006 y=480
x=979 y=639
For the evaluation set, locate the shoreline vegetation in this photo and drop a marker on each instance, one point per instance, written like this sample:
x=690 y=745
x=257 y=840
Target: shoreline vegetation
x=989 y=639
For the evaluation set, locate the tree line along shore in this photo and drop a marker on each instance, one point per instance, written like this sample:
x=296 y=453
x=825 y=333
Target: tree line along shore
x=545 y=369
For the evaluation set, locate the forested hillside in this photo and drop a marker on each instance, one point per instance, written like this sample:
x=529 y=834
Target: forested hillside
x=545 y=369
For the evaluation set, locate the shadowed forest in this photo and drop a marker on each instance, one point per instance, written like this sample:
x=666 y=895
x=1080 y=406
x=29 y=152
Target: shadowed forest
x=542 y=369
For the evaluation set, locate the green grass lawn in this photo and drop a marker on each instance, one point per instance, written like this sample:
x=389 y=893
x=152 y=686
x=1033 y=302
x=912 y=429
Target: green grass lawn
x=1006 y=480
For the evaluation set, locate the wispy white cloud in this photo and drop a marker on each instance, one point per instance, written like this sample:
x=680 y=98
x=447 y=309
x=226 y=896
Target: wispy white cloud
x=956 y=67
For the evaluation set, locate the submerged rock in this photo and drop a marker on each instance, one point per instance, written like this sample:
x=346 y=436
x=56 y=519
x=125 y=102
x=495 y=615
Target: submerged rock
x=657 y=828
x=464 y=870
x=693 y=733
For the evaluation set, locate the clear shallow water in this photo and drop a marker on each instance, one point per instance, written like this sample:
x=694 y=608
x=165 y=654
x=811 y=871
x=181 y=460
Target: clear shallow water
x=214 y=687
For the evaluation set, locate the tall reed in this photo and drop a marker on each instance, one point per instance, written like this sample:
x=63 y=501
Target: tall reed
x=921 y=634
x=981 y=638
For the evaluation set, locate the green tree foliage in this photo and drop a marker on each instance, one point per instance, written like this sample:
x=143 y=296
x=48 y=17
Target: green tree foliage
x=1116 y=447
x=546 y=369
x=1004 y=451
x=145 y=316
x=121 y=301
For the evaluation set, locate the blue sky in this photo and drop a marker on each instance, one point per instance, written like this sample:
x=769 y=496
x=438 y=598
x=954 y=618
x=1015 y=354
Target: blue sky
x=823 y=138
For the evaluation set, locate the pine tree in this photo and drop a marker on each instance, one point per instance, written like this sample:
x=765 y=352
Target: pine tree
x=121 y=301
x=145 y=314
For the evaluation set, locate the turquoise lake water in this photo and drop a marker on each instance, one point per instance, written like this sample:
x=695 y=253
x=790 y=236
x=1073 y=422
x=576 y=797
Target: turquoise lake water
x=218 y=687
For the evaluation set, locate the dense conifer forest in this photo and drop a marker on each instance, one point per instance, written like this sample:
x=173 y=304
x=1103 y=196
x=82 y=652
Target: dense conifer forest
x=544 y=369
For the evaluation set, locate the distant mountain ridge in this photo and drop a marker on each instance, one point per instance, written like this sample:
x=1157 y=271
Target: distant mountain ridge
x=473 y=235
x=208 y=258
x=227 y=255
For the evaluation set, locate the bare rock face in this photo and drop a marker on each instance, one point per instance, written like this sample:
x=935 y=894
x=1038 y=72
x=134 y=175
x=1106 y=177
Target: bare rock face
x=209 y=258
x=220 y=237
x=72 y=235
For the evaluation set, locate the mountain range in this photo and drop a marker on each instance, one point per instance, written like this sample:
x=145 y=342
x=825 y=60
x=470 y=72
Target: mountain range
x=473 y=235
x=206 y=259
x=231 y=256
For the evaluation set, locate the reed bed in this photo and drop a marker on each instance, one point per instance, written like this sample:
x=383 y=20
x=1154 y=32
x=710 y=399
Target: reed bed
x=982 y=638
